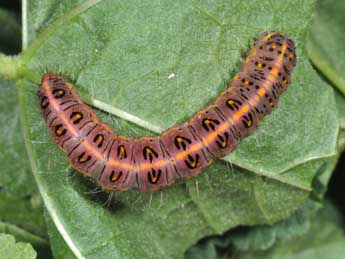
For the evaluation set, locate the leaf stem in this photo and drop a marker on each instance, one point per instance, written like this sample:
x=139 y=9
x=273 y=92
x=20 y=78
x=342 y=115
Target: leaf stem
x=8 y=66
x=42 y=37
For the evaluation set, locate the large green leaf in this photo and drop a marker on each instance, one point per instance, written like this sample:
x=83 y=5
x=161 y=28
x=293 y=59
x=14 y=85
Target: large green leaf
x=145 y=61
x=326 y=41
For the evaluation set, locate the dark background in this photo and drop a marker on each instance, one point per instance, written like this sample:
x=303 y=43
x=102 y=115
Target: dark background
x=11 y=5
x=336 y=190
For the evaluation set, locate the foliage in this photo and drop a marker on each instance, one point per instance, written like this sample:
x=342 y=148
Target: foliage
x=121 y=55
x=12 y=250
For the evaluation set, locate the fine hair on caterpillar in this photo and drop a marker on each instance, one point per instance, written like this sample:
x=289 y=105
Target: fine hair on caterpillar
x=119 y=163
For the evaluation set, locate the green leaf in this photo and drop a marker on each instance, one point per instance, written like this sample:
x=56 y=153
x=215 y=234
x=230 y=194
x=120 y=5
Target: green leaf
x=58 y=244
x=23 y=212
x=20 y=203
x=340 y=99
x=9 y=249
x=122 y=55
x=15 y=169
x=325 y=239
x=23 y=235
x=15 y=176
x=325 y=42
x=265 y=236
x=204 y=250
x=325 y=49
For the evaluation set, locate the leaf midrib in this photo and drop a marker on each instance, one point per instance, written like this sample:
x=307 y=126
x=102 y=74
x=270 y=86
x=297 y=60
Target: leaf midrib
x=45 y=34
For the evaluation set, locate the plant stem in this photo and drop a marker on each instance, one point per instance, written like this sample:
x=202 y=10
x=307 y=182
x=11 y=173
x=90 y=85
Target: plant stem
x=8 y=66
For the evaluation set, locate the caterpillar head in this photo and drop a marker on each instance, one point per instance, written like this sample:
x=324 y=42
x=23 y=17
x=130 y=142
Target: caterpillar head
x=51 y=78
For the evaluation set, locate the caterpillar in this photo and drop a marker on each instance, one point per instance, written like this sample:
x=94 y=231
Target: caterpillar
x=119 y=163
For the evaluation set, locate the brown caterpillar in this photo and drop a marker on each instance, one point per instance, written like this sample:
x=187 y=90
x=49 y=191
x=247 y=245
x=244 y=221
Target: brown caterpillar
x=149 y=163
